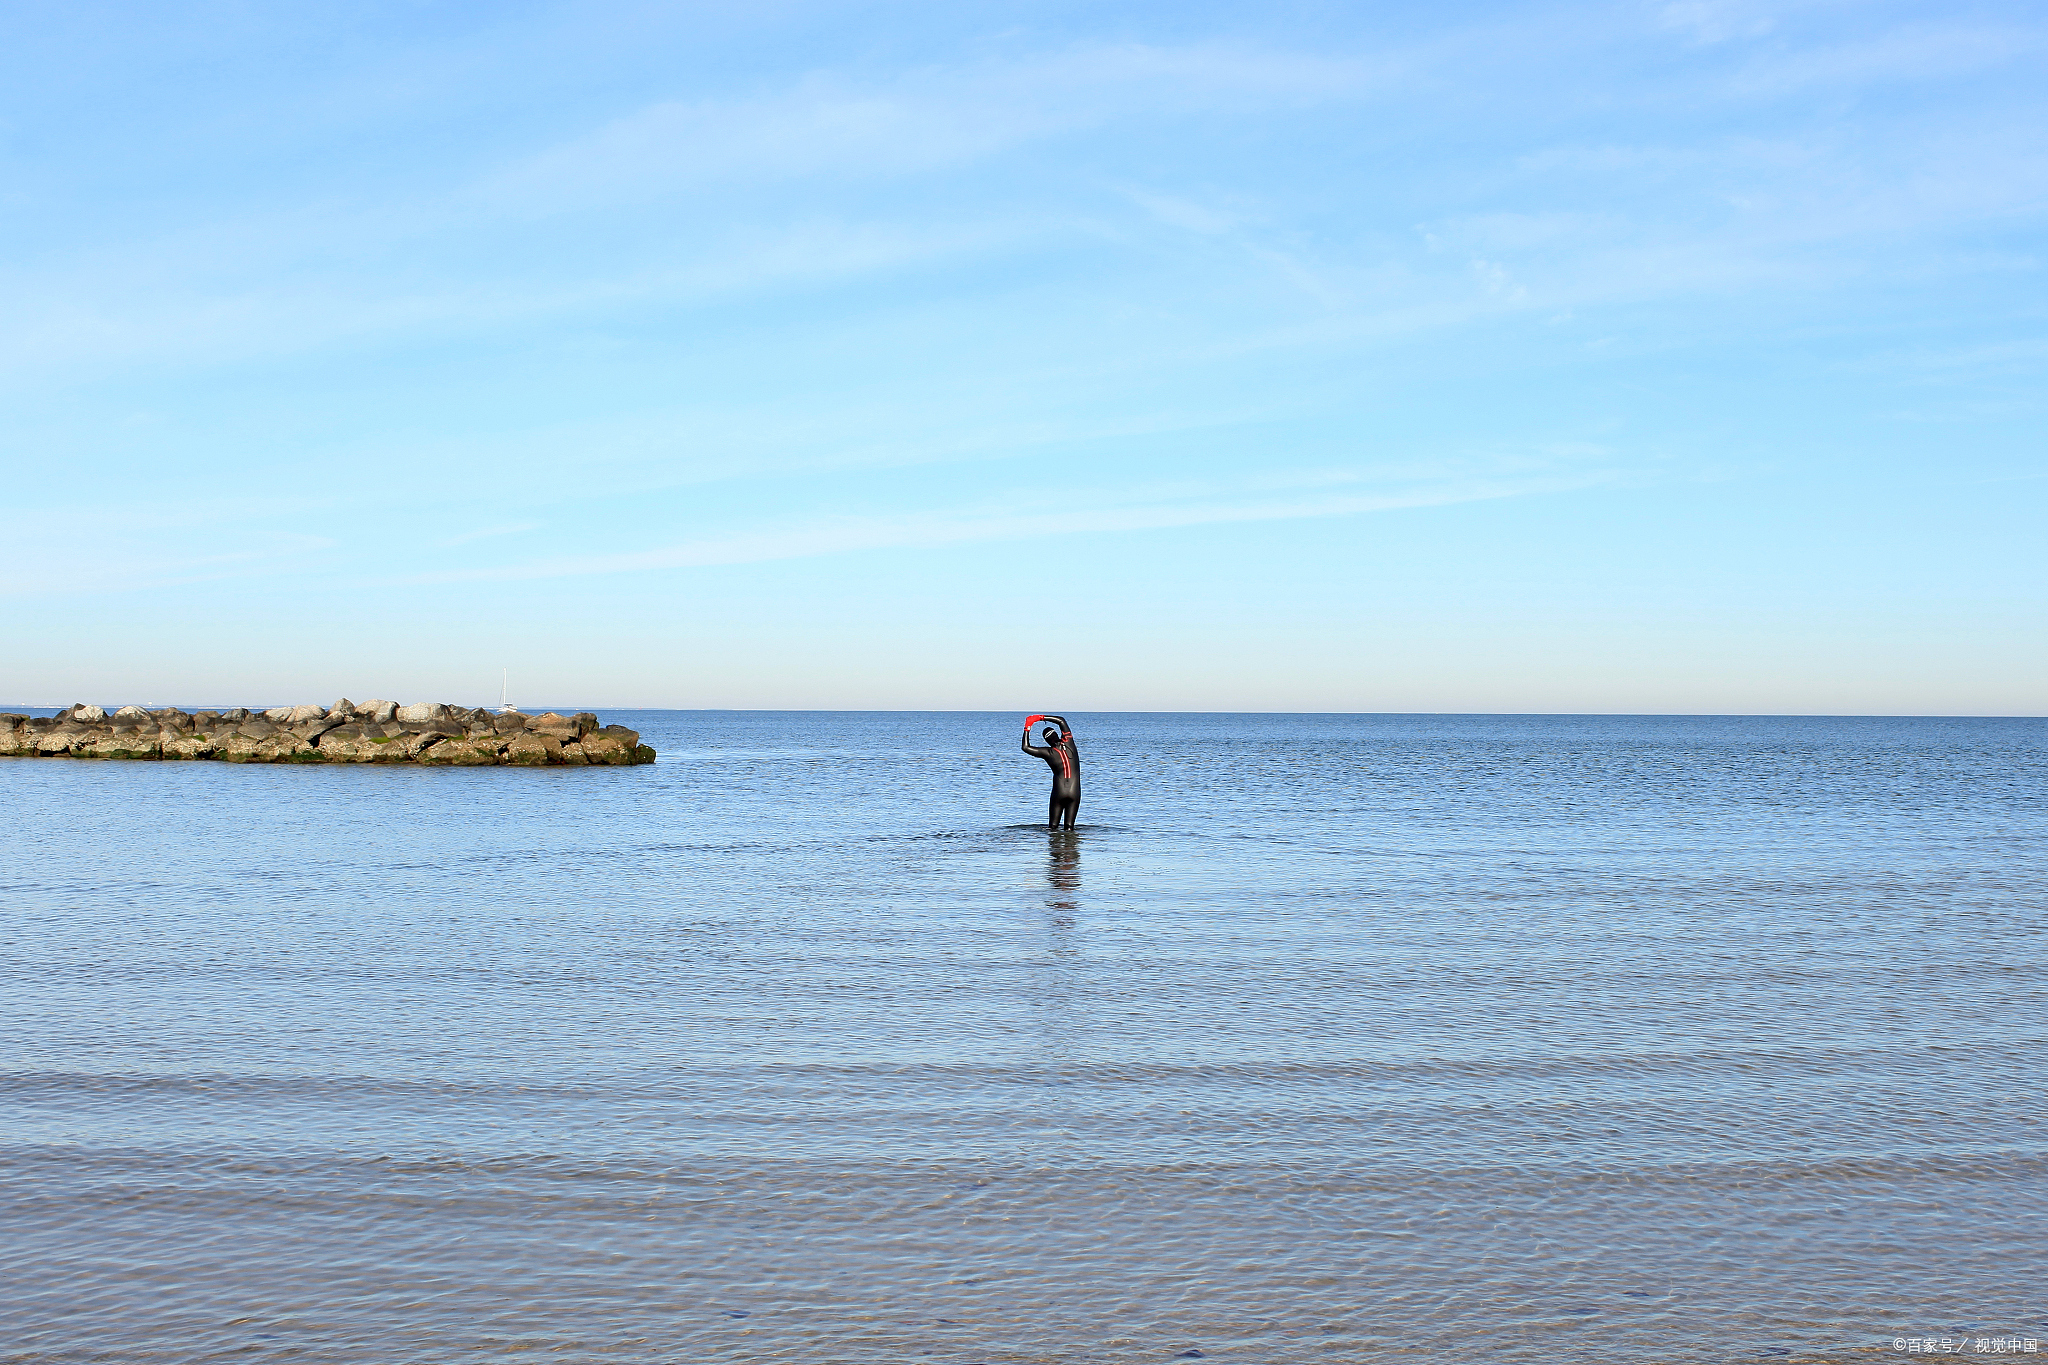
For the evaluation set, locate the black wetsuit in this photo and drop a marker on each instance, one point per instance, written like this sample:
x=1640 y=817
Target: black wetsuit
x=1065 y=761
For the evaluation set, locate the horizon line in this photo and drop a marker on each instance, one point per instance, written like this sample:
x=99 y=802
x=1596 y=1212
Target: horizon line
x=20 y=707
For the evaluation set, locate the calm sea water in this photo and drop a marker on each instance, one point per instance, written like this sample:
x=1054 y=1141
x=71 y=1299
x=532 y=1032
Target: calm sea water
x=1327 y=1038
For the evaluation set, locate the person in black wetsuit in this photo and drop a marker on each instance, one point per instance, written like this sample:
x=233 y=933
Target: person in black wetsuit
x=1064 y=759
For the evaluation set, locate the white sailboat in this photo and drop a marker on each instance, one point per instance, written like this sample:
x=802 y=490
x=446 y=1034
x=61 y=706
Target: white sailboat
x=505 y=706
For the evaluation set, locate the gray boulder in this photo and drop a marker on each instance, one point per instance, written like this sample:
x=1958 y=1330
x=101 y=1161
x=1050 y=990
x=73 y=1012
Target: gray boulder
x=606 y=749
x=116 y=744
x=355 y=744
x=343 y=710
x=345 y=744
x=422 y=713
x=531 y=751
x=240 y=747
x=462 y=753
x=418 y=744
x=87 y=715
x=388 y=748
x=133 y=713
x=295 y=747
x=378 y=712
x=615 y=745
x=184 y=744
x=59 y=739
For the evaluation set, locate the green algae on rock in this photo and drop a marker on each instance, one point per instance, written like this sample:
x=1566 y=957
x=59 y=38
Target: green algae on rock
x=432 y=733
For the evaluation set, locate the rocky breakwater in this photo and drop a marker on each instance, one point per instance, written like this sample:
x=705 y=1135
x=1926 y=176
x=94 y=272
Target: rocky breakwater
x=374 y=732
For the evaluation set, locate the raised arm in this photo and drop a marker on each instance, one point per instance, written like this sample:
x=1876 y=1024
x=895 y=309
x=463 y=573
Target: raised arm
x=1035 y=750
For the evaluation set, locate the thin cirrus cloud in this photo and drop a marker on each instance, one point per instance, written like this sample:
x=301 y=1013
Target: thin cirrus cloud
x=1313 y=496
x=62 y=572
x=1736 y=212
x=1717 y=21
x=177 y=325
x=929 y=120
x=222 y=290
x=283 y=279
x=1917 y=53
x=490 y=533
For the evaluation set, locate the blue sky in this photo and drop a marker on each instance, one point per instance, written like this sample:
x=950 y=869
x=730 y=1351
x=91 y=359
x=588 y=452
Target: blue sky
x=1660 y=357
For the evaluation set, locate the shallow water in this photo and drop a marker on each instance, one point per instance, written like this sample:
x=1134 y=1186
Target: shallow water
x=1326 y=1038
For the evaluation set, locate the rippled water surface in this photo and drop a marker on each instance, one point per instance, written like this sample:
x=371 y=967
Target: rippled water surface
x=1326 y=1038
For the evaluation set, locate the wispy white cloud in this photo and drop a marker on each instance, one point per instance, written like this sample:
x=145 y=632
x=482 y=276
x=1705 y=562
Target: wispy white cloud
x=923 y=120
x=1157 y=507
x=1719 y=21
x=118 y=564
x=300 y=278
x=490 y=533
x=1181 y=212
x=290 y=277
x=1905 y=53
x=65 y=326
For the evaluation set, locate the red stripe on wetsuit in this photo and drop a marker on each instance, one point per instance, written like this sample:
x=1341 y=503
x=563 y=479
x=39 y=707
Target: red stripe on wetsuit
x=1066 y=764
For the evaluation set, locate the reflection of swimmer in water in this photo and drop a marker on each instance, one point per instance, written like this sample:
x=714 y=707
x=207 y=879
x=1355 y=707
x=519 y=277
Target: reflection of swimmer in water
x=1063 y=872
x=1064 y=759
